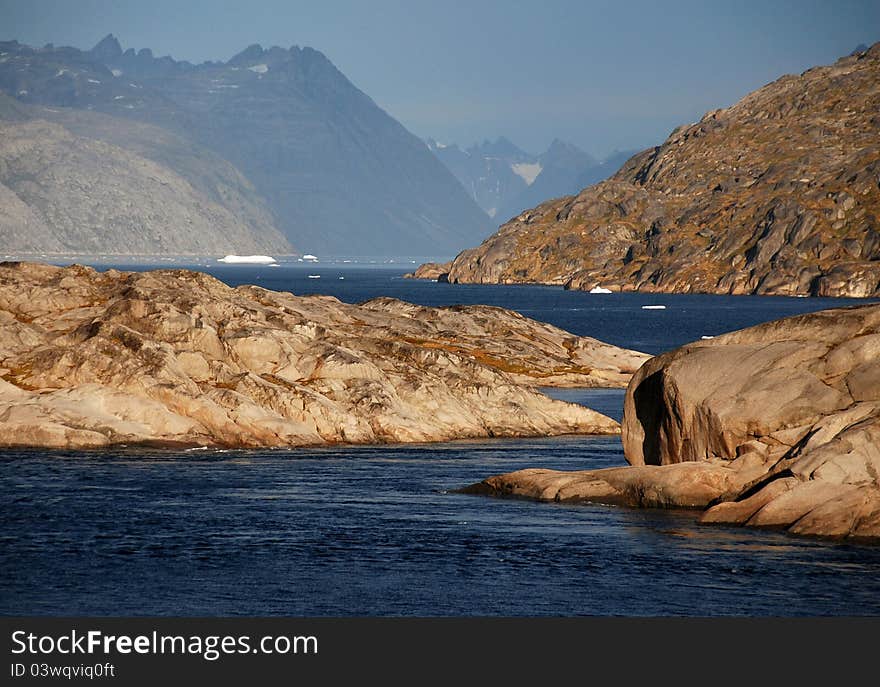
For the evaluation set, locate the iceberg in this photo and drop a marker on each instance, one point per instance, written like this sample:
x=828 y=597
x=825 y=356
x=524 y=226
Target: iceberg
x=599 y=289
x=247 y=259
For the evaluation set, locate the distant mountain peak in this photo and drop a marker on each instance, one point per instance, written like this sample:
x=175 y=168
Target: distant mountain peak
x=249 y=54
x=566 y=155
x=108 y=48
x=501 y=147
x=503 y=179
x=370 y=185
x=558 y=145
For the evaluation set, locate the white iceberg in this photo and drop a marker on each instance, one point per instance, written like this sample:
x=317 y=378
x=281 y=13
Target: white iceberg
x=309 y=256
x=247 y=259
x=314 y=276
x=599 y=289
x=653 y=307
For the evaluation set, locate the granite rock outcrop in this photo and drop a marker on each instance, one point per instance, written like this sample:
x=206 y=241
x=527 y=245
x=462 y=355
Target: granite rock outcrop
x=174 y=357
x=777 y=194
x=775 y=426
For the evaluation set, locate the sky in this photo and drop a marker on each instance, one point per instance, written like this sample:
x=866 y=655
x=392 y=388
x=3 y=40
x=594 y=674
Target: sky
x=603 y=75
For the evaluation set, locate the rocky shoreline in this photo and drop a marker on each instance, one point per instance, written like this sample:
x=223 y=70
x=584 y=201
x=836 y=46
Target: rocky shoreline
x=174 y=357
x=776 y=195
x=773 y=426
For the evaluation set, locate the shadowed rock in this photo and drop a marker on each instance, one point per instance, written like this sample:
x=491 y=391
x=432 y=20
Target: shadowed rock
x=773 y=426
x=431 y=270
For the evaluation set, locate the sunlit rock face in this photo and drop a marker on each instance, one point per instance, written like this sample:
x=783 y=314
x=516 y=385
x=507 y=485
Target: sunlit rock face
x=777 y=194
x=92 y=359
x=773 y=426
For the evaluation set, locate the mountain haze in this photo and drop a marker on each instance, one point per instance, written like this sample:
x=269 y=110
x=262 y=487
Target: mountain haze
x=83 y=182
x=505 y=180
x=336 y=173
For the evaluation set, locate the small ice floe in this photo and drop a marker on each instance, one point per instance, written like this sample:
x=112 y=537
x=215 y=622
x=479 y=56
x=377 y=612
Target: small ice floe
x=93 y=81
x=706 y=338
x=247 y=259
x=274 y=264
x=197 y=448
x=802 y=295
x=653 y=307
x=259 y=68
x=314 y=276
x=342 y=277
x=116 y=72
x=310 y=257
x=600 y=289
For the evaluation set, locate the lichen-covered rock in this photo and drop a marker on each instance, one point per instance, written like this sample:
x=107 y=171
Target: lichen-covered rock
x=91 y=359
x=777 y=194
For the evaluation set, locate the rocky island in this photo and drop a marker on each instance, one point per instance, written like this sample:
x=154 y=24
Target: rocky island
x=775 y=426
x=777 y=194
x=174 y=357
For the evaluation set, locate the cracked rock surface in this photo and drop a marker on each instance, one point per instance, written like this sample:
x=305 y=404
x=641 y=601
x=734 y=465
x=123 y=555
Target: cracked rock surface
x=777 y=194
x=773 y=426
x=91 y=359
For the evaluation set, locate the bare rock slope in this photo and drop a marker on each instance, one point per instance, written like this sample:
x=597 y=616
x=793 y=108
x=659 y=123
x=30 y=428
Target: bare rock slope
x=77 y=181
x=63 y=192
x=335 y=173
x=91 y=359
x=777 y=194
x=773 y=426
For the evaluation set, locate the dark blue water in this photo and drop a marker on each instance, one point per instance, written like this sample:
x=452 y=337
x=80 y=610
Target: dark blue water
x=616 y=318
x=376 y=530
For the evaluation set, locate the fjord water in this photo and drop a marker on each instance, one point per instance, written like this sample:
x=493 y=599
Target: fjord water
x=379 y=531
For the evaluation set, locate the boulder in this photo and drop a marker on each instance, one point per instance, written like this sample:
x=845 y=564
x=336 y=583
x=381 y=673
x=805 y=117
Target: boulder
x=774 y=426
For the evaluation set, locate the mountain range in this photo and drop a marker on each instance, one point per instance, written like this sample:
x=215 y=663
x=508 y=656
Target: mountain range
x=777 y=194
x=274 y=146
x=504 y=180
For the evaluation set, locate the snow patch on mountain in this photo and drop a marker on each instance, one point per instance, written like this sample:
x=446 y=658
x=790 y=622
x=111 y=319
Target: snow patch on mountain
x=527 y=171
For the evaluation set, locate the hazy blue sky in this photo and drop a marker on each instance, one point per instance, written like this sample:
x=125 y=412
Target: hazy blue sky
x=603 y=75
